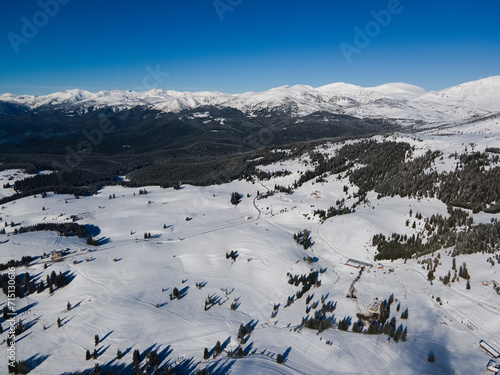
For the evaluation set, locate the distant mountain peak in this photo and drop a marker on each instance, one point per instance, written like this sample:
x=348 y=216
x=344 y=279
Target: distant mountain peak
x=395 y=100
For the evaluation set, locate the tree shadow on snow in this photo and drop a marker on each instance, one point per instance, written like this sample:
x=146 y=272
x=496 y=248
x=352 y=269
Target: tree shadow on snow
x=183 y=292
x=225 y=343
x=77 y=305
x=36 y=360
x=70 y=276
x=106 y=336
x=102 y=350
x=30 y=324
x=65 y=321
x=221 y=367
x=103 y=241
x=248 y=349
x=285 y=355
x=93 y=230
x=26 y=308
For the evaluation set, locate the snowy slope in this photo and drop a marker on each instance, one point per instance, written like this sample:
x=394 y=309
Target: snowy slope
x=120 y=290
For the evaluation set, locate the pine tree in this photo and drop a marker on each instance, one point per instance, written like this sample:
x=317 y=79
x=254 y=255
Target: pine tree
x=96 y=339
x=384 y=315
x=391 y=299
x=19 y=328
x=1 y=329
x=372 y=329
x=279 y=359
x=59 y=323
x=68 y=306
x=430 y=275
x=218 y=348
x=468 y=285
x=119 y=354
x=153 y=359
x=94 y=355
x=206 y=355
x=398 y=333
x=136 y=357
x=355 y=328
x=87 y=355
x=403 y=336
x=241 y=332
x=404 y=314
x=31 y=288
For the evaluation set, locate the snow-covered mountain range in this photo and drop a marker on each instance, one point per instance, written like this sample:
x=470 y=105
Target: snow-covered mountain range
x=398 y=101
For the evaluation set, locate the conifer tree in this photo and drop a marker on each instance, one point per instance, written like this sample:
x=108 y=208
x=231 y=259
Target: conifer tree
x=206 y=355
x=355 y=327
x=279 y=359
x=404 y=314
x=94 y=355
x=19 y=328
x=96 y=339
x=119 y=354
x=136 y=357
x=59 y=323
x=87 y=355
x=153 y=359
x=403 y=336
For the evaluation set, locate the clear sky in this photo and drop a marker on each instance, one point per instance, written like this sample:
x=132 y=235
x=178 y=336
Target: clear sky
x=244 y=45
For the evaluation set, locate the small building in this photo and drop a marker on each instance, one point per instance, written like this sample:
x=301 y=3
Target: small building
x=374 y=307
x=58 y=254
x=54 y=255
x=489 y=349
x=493 y=366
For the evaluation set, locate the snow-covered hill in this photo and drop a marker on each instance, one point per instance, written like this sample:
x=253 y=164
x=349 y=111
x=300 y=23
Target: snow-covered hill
x=120 y=289
x=393 y=100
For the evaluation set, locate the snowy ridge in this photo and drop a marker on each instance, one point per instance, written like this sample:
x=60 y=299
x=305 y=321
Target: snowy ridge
x=393 y=100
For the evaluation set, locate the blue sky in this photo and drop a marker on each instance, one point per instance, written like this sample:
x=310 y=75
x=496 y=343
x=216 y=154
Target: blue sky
x=244 y=45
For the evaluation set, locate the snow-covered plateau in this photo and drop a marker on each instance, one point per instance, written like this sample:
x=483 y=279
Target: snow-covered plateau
x=121 y=289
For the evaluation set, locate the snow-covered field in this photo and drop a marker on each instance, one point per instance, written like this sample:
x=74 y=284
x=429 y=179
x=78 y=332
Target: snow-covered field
x=120 y=289
x=8 y=177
